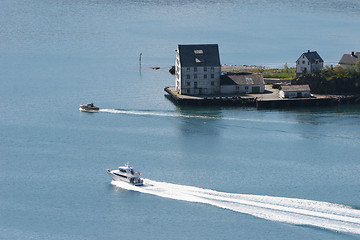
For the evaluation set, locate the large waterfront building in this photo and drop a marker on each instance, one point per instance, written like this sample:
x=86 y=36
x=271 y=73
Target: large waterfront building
x=309 y=62
x=197 y=69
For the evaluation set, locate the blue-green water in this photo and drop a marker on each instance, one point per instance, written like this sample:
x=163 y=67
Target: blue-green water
x=55 y=55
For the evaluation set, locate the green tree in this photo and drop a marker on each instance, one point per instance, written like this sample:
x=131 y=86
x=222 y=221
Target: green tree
x=357 y=66
x=286 y=68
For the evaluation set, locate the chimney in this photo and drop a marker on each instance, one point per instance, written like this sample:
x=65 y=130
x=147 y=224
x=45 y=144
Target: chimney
x=352 y=54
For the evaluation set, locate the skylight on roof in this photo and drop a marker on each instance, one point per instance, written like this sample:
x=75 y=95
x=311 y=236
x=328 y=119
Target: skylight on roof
x=199 y=51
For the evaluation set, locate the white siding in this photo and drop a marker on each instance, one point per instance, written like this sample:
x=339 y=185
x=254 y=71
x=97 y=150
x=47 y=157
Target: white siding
x=178 y=75
x=240 y=89
x=347 y=66
x=303 y=65
x=194 y=81
x=316 y=67
x=283 y=94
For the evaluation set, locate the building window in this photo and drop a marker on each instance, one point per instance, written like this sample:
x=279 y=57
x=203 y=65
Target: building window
x=188 y=90
x=246 y=87
x=205 y=75
x=212 y=83
x=187 y=69
x=212 y=68
x=308 y=63
x=195 y=84
x=195 y=69
x=212 y=75
x=187 y=83
x=195 y=76
x=205 y=69
x=188 y=76
x=303 y=62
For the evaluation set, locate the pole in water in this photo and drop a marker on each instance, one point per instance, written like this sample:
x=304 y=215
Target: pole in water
x=140 y=60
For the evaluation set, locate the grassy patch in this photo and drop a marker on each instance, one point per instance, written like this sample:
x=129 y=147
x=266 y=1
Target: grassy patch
x=284 y=73
x=281 y=73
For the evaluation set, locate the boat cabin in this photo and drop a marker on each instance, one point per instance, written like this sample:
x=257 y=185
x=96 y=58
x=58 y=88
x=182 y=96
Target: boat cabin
x=128 y=170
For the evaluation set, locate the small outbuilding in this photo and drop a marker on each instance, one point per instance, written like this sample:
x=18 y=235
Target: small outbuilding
x=240 y=83
x=295 y=91
x=348 y=61
x=309 y=62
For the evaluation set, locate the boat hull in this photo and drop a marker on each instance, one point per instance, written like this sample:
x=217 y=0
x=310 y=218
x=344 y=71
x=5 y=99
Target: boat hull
x=137 y=181
x=88 y=109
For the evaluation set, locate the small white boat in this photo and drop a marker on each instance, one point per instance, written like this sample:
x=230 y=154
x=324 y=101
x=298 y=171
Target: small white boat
x=89 y=107
x=126 y=174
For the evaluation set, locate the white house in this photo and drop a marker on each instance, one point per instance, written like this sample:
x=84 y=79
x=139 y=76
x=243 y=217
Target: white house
x=295 y=91
x=348 y=61
x=197 y=69
x=241 y=83
x=309 y=62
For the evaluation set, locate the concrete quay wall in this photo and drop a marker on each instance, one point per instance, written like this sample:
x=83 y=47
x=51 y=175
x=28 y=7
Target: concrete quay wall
x=210 y=100
x=262 y=101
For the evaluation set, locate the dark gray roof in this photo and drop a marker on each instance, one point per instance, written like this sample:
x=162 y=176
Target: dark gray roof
x=296 y=88
x=349 y=58
x=241 y=79
x=199 y=55
x=312 y=56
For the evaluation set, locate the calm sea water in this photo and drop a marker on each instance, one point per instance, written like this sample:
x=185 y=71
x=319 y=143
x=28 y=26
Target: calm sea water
x=55 y=55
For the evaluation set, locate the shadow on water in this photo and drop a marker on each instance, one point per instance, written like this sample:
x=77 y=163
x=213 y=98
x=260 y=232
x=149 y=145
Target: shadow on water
x=345 y=108
x=199 y=120
x=116 y=190
x=316 y=115
x=326 y=115
x=355 y=207
x=320 y=122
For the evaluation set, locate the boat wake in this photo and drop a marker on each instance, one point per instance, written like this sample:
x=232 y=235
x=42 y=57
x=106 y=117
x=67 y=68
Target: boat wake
x=324 y=215
x=173 y=114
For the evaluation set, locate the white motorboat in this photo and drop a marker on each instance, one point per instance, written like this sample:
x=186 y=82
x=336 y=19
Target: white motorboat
x=126 y=174
x=89 y=107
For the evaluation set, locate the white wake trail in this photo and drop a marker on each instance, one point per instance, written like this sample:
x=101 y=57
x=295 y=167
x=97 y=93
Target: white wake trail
x=325 y=215
x=168 y=114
